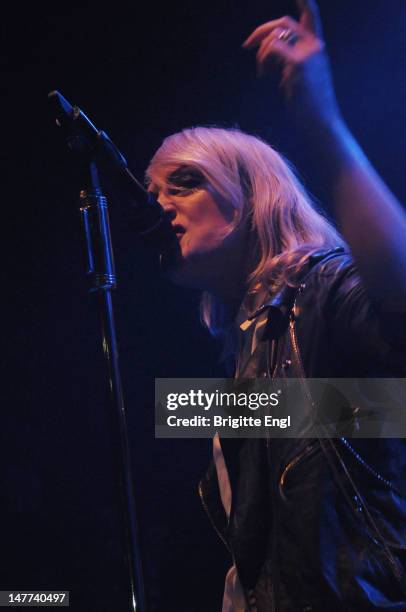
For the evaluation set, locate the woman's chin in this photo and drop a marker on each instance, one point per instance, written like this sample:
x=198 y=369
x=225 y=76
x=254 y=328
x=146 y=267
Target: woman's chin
x=185 y=272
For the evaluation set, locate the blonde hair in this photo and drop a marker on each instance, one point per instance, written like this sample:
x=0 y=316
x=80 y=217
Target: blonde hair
x=261 y=185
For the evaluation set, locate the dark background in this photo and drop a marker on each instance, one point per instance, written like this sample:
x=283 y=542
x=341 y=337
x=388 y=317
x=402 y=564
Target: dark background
x=141 y=71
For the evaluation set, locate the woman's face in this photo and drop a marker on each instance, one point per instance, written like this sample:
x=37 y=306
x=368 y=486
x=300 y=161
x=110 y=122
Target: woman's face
x=202 y=219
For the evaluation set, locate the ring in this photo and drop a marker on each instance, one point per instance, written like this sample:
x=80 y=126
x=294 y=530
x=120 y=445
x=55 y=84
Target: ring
x=288 y=36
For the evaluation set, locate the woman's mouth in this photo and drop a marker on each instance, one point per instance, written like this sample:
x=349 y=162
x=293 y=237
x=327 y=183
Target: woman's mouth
x=179 y=231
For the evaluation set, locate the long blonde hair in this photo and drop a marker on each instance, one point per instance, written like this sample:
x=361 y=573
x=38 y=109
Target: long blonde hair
x=261 y=185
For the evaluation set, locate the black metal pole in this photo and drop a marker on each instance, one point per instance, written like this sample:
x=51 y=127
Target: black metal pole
x=102 y=279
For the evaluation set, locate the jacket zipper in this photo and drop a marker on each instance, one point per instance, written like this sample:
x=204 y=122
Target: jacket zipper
x=307 y=452
x=222 y=538
x=311 y=447
x=295 y=345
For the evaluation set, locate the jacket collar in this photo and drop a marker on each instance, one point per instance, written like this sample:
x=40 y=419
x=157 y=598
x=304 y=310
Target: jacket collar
x=280 y=305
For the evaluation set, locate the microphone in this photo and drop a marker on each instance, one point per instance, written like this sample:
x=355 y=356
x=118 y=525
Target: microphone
x=146 y=216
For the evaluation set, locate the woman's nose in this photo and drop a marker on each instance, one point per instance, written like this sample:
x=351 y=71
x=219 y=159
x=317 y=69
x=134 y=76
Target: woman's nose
x=168 y=206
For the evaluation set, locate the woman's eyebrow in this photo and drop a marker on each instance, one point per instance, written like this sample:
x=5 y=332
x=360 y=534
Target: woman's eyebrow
x=186 y=175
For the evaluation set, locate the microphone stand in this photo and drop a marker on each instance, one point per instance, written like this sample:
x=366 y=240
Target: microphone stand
x=88 y=143
x=102 y=276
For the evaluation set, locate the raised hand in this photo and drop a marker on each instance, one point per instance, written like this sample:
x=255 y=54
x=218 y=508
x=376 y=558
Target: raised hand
x=298 y=48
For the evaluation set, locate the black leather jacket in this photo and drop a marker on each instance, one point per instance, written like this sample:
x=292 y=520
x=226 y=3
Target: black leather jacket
x=317 y=524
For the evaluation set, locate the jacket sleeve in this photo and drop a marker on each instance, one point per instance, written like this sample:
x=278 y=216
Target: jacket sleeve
x=360 y=328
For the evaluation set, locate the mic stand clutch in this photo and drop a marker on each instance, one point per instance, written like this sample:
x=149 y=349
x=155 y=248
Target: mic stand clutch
x=87 y=142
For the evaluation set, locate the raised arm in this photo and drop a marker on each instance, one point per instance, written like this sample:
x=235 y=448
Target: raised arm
x=369 y=216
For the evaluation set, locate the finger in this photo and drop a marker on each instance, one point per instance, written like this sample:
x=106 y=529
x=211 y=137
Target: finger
x=263 y=30
x=258 y=35
x=310 y=16
x=273 y=49
x=267 y=43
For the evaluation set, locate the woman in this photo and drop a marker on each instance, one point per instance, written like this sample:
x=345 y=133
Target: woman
x=309 y=523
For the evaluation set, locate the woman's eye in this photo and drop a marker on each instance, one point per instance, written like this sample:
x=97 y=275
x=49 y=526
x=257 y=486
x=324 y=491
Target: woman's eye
x=178 y=190
x=183 y=180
